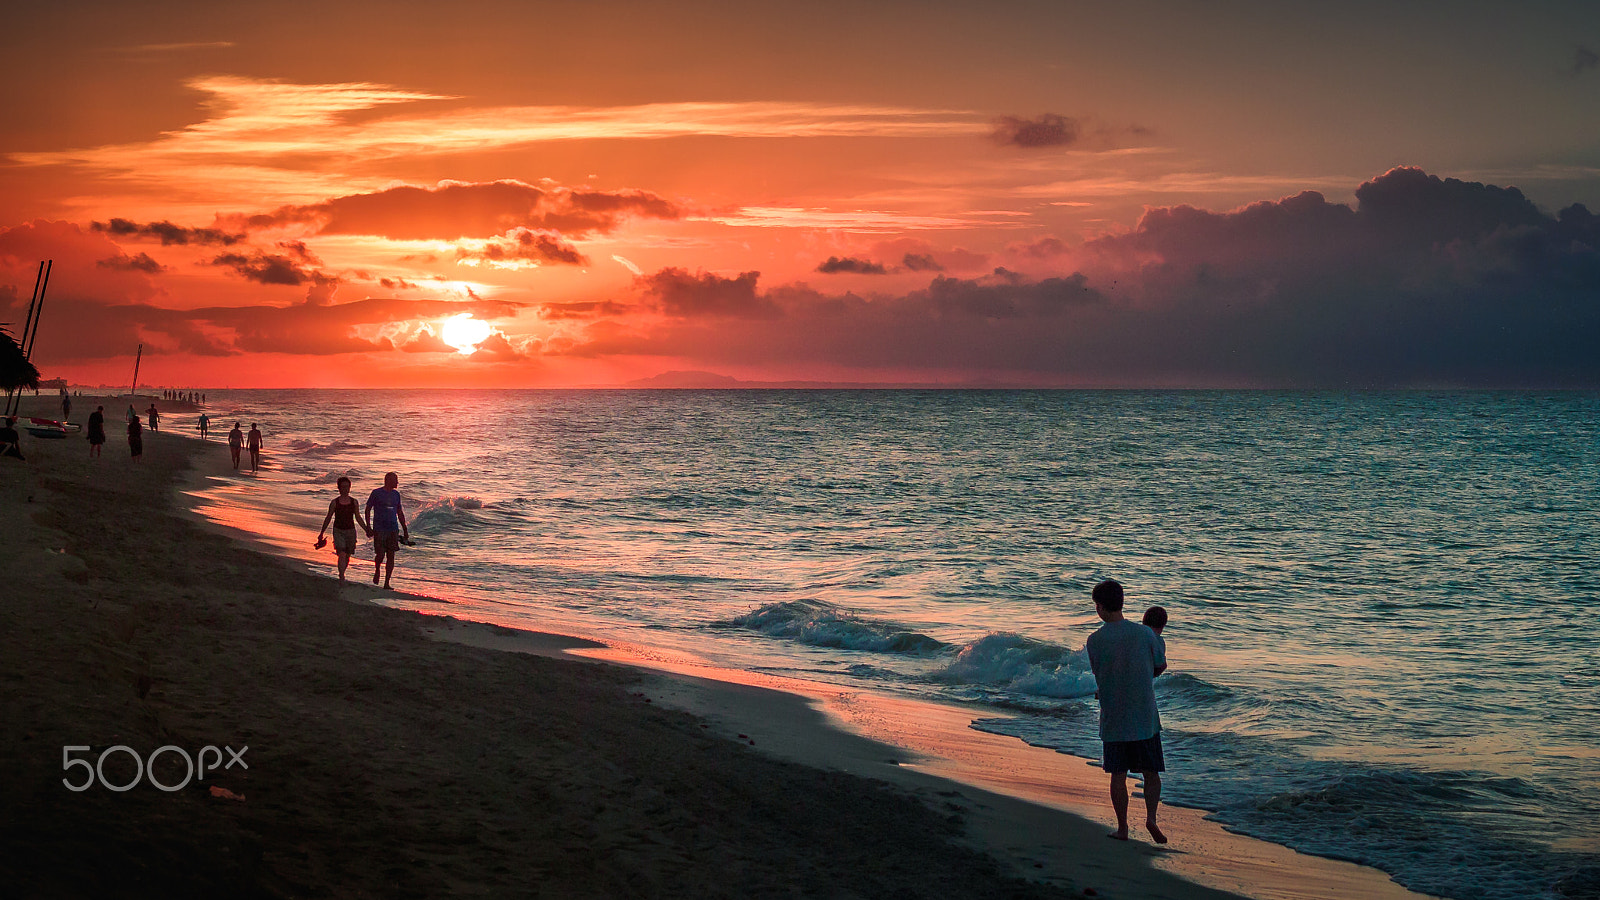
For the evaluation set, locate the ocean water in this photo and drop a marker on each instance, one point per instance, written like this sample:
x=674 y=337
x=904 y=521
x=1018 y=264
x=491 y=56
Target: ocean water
x=1383 y=631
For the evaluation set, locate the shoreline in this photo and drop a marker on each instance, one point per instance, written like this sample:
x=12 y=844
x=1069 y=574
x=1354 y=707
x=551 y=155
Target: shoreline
x=1018 y=803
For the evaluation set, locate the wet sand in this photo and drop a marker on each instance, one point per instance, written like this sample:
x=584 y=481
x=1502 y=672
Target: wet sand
x=396 y=754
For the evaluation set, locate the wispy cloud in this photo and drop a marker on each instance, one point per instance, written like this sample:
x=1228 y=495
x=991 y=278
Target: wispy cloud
x=174 y=48
x=255 y=128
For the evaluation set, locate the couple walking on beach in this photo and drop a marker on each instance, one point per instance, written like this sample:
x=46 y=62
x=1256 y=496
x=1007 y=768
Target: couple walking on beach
x=383 y=519
x=238 y=441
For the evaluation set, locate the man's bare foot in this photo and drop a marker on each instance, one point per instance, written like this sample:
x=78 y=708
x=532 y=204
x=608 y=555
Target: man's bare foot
x=1121 y=834
x=374 y=577
x=1155 y=832
x=386 y=586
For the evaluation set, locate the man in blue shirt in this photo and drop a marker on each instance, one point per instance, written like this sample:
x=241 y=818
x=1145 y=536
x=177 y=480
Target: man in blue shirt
x=389 y=527
x=1126 y=658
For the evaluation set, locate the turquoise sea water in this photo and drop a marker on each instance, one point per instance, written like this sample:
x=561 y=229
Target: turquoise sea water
x=1383 y=630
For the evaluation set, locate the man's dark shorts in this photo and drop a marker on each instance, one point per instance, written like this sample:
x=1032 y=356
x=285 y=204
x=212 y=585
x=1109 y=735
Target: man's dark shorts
x=1133 y=756
x=386 y=541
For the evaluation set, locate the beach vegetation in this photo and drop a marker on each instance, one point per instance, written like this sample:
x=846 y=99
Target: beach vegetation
x=15 y=369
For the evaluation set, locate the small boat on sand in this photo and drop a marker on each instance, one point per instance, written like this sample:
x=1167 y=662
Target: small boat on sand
x=49 y=428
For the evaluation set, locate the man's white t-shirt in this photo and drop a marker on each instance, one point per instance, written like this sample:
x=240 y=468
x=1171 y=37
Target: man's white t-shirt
x=1124 y=657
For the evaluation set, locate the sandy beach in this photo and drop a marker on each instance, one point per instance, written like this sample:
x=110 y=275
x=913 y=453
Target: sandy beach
x=393 y=754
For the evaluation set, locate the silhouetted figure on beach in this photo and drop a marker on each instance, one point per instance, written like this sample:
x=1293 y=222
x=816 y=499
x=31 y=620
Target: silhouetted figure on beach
x=235 y=443
x=1126 y=657
x=135 y=438
x=10 y=438
x=253 y=442
x=205 y=427
x=66 y=405
x=155 y=418
x=133 y=414
x=389 y=528
x=345 y=514
x=96 y=431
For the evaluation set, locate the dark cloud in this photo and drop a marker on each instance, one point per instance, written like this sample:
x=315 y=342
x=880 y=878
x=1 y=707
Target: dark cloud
x=1583 y=59
x=837 y=264
x=397 y=284
x=1427 y=280
x=277 y=268
x=1048 y=130
x=1044 y=248
x=921 y=262
x=454 y=210
x=679 y=293
x=138 y=263
x=297 y=250
x=1424 y=281
x=1005 y=295
x=166 y=232
x=527 y=245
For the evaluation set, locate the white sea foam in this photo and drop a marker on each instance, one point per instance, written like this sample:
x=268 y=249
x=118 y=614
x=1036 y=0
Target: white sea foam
x=1021 y=664
x=825 y=625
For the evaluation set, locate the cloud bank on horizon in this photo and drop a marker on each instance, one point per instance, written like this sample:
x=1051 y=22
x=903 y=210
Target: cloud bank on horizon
x=1422 y=281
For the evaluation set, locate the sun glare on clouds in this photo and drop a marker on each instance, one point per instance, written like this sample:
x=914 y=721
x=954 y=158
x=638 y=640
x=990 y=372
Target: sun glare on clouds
x=463 y=332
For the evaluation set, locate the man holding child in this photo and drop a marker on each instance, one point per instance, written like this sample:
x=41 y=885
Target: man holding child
x=1126 y=657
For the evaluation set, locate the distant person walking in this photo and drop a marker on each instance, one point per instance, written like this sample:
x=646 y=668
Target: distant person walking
x=97 y=431
x=1126 y=657
x=135 y=438
x=235 y=443
x=205 y=427
x=253 y=442
x=389 y=528
x=345 y=514
x=66 y=405
x=155 y=418
x=133 y=414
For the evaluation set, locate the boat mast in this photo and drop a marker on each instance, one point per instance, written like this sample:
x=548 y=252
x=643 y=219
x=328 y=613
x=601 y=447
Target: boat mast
x=138 y=356
x=30 y=326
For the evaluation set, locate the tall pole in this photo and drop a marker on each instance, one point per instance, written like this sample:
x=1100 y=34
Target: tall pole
x=27 y=325
x=136 y=358
x=14 y=395
x=39 y=312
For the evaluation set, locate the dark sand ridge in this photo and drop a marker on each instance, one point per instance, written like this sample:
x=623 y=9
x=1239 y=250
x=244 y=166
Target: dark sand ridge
x=387 y=764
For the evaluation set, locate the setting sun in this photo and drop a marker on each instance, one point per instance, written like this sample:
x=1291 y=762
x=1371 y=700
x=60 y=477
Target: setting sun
x=463 y=332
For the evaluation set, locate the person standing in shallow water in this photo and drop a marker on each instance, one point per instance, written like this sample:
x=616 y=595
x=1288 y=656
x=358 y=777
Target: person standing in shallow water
x=1126 y=657
x=254 y=443
x=235 y=443
x=389 y=528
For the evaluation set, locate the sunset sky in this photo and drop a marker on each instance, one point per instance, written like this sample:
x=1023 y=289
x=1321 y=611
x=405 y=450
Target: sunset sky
x=1021 y=193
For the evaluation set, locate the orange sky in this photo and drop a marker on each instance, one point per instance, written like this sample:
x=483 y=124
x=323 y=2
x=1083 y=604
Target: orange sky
x=956 y=193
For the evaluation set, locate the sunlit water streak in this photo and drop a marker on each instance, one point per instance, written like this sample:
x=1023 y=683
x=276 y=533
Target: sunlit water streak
x=1382 y=634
